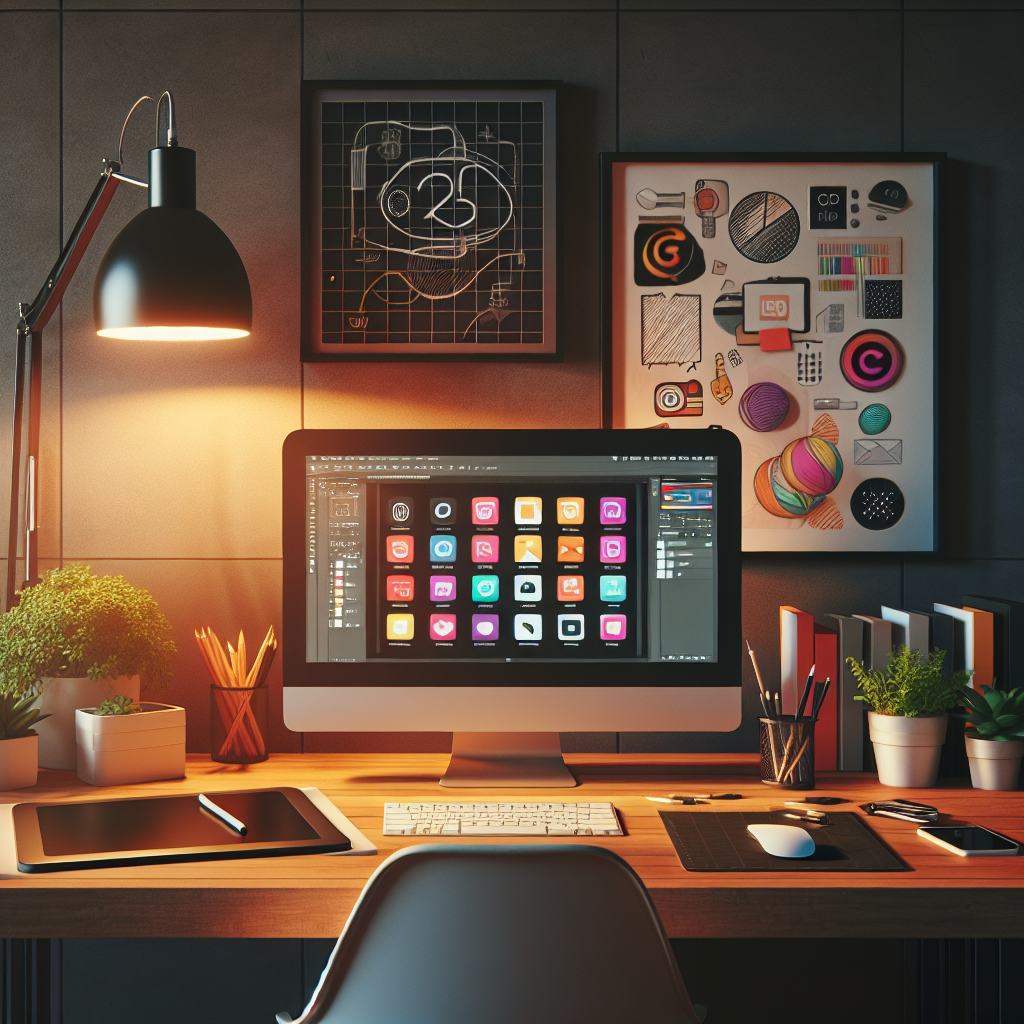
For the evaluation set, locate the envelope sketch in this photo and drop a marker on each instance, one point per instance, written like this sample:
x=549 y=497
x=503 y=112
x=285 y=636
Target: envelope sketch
x=869 y=452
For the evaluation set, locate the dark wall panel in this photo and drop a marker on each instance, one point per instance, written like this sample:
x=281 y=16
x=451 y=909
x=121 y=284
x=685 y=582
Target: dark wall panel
x=739 y=80
x=964 y=95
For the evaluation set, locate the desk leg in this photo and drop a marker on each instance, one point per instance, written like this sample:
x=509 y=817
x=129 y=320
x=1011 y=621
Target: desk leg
x=26 y=981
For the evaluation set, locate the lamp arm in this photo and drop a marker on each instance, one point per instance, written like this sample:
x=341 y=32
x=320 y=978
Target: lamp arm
x=32 y=320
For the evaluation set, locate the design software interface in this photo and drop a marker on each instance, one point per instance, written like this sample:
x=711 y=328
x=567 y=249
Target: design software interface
x=553 y=558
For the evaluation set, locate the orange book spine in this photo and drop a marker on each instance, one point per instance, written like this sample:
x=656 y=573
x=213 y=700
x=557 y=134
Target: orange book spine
x=826 y=732
x=984 y=647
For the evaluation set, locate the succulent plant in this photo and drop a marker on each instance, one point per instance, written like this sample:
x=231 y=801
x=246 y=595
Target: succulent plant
x=118 y=706
x=17 y=716
x=994 y=714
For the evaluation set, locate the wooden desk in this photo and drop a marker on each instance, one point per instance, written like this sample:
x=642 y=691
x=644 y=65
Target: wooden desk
x=945 y=896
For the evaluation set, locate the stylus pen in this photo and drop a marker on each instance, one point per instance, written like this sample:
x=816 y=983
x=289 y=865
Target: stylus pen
x=219 y=812
x=807 y=692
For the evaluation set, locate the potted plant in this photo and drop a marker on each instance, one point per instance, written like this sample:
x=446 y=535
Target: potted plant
x=19 y=742
x=74 y=640
x=995 y=743
x=121 y=742
x=907 y=721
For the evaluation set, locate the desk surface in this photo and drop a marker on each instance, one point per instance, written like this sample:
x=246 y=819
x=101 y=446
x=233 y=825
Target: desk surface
x=945 y=896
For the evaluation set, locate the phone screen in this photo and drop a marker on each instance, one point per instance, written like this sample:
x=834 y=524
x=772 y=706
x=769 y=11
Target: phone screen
x=971 y=837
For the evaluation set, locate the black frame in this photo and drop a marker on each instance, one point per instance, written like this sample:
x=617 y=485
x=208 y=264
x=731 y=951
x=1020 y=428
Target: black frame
x=300 y=443
x=311 y=349
x=939 y=170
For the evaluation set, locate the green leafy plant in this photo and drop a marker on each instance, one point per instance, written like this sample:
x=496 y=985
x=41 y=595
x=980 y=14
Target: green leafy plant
x=118 y=706
x=910 y=686
x=994 y=714
x=74 y=624
x=17 y=716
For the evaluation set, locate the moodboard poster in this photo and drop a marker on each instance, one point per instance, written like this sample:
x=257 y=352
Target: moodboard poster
x=793 y=304
x=432 y=224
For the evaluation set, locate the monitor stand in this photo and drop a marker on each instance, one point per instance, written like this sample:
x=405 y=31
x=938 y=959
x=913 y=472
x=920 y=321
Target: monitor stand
x=515 y=760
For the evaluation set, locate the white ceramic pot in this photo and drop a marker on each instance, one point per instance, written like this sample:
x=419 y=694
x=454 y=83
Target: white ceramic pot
x=60 y=699
x=907 y=750
x=117 y=750
x=19 y=762
x=995 y=764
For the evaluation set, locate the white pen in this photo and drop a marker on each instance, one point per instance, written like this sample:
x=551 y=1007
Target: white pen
x=219 y=812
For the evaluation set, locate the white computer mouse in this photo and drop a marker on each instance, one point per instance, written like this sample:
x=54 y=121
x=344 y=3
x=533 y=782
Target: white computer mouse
x=783 y=840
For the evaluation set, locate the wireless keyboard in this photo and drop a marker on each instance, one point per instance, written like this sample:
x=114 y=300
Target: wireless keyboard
x=501 y=818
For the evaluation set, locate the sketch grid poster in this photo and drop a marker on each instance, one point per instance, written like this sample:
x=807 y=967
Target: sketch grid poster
x=792 y=303
x=432 y=224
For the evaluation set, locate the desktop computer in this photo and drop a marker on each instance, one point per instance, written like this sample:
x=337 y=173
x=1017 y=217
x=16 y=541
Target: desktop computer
x=508 y=585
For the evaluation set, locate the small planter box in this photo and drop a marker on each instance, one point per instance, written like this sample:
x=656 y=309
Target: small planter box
x=19 y=762
x=115 y=750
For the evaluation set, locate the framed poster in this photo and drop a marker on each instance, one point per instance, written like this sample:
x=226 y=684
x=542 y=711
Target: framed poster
x=792 y=300
x=430 y=221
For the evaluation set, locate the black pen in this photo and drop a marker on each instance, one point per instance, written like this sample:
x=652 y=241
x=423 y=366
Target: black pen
x=807 y=692
x=219 y=812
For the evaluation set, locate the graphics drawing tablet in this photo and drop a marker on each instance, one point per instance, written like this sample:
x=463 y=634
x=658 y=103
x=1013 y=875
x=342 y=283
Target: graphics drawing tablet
x=153 y=830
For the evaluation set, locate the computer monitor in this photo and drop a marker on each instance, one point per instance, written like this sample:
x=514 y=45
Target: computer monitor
x=499 y=582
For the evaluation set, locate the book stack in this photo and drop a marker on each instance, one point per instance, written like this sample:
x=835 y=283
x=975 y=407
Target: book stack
x=984 y=635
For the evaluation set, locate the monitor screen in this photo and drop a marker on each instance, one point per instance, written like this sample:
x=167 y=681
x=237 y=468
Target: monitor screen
x=526 y=558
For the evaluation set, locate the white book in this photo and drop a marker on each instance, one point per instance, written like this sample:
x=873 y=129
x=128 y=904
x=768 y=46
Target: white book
x=910 y=629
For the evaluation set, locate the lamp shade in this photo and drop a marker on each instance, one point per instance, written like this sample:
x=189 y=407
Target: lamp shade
x=172 y=274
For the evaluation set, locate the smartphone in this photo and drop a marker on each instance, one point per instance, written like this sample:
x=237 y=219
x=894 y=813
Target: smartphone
x=970 y=840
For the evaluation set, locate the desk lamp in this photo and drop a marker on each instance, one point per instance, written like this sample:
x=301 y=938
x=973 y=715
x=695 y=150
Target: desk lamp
x=170 y=275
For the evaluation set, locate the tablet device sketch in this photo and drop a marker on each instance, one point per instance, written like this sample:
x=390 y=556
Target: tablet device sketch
x=152 y=830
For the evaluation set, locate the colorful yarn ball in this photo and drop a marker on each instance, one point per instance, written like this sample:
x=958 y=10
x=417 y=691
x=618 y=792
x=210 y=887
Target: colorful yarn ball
x=777 y=497
x=811 y=465
x=875 y=418
x=764 y=406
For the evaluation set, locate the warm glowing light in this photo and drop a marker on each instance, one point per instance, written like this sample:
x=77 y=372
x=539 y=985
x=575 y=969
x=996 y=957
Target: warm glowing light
x=172 y=333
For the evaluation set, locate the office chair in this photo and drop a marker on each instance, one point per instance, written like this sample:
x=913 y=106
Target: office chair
x=502 y=934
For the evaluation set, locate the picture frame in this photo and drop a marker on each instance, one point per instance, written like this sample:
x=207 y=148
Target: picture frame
x=430 y=221
x=791 y=298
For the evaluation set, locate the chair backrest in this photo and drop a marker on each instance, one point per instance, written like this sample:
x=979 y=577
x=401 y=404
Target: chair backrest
x=496 y=934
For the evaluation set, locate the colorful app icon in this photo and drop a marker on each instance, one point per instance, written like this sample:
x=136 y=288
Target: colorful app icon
x=442 y=511
x=528 y=627
x=399 y=547
x=613 y=588
x=527 y=548
x=570 y=627
x=400 y=510
x=400 y=627
x=485 y=627
x=443 y=547
x=570 y=511
x=570 y=549
x=613 y=511
x=527 y=588
x=485 y=547
x=400 y=588
x=485 y=588
x=485 y=511
x=613 y=549
x=528 y=511
x=570 y=588
x=613 y=627
x=442 y=627
x=442 y=588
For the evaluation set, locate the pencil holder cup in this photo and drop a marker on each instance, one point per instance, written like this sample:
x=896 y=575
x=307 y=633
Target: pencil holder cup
x=238 y=724
x=787 y=752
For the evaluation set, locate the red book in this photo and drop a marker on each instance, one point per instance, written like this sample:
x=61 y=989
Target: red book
x=796 y=651
x=826 y=732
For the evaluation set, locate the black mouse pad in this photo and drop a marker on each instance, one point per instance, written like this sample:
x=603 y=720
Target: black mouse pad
x=719 y=841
